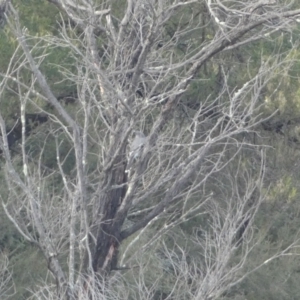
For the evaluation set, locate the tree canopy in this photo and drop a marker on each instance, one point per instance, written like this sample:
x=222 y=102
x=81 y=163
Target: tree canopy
x=204 y=205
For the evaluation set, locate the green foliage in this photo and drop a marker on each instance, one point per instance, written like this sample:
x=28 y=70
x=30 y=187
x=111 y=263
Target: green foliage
x=277 y=222
x=38 y=16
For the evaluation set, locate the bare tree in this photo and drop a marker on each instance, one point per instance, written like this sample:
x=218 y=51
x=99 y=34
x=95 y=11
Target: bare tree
x=6 y=282
x=133 y=72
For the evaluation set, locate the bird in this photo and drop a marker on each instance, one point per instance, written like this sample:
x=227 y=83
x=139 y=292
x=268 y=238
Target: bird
x=135 y=148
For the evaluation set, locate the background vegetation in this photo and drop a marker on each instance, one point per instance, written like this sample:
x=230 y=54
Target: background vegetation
x=276 y=222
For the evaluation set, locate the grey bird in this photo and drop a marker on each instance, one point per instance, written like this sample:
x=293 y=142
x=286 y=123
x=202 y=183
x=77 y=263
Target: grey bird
x=135 y=148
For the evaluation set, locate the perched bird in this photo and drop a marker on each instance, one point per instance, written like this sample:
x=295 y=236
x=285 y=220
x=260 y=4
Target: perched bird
x=135 y=148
